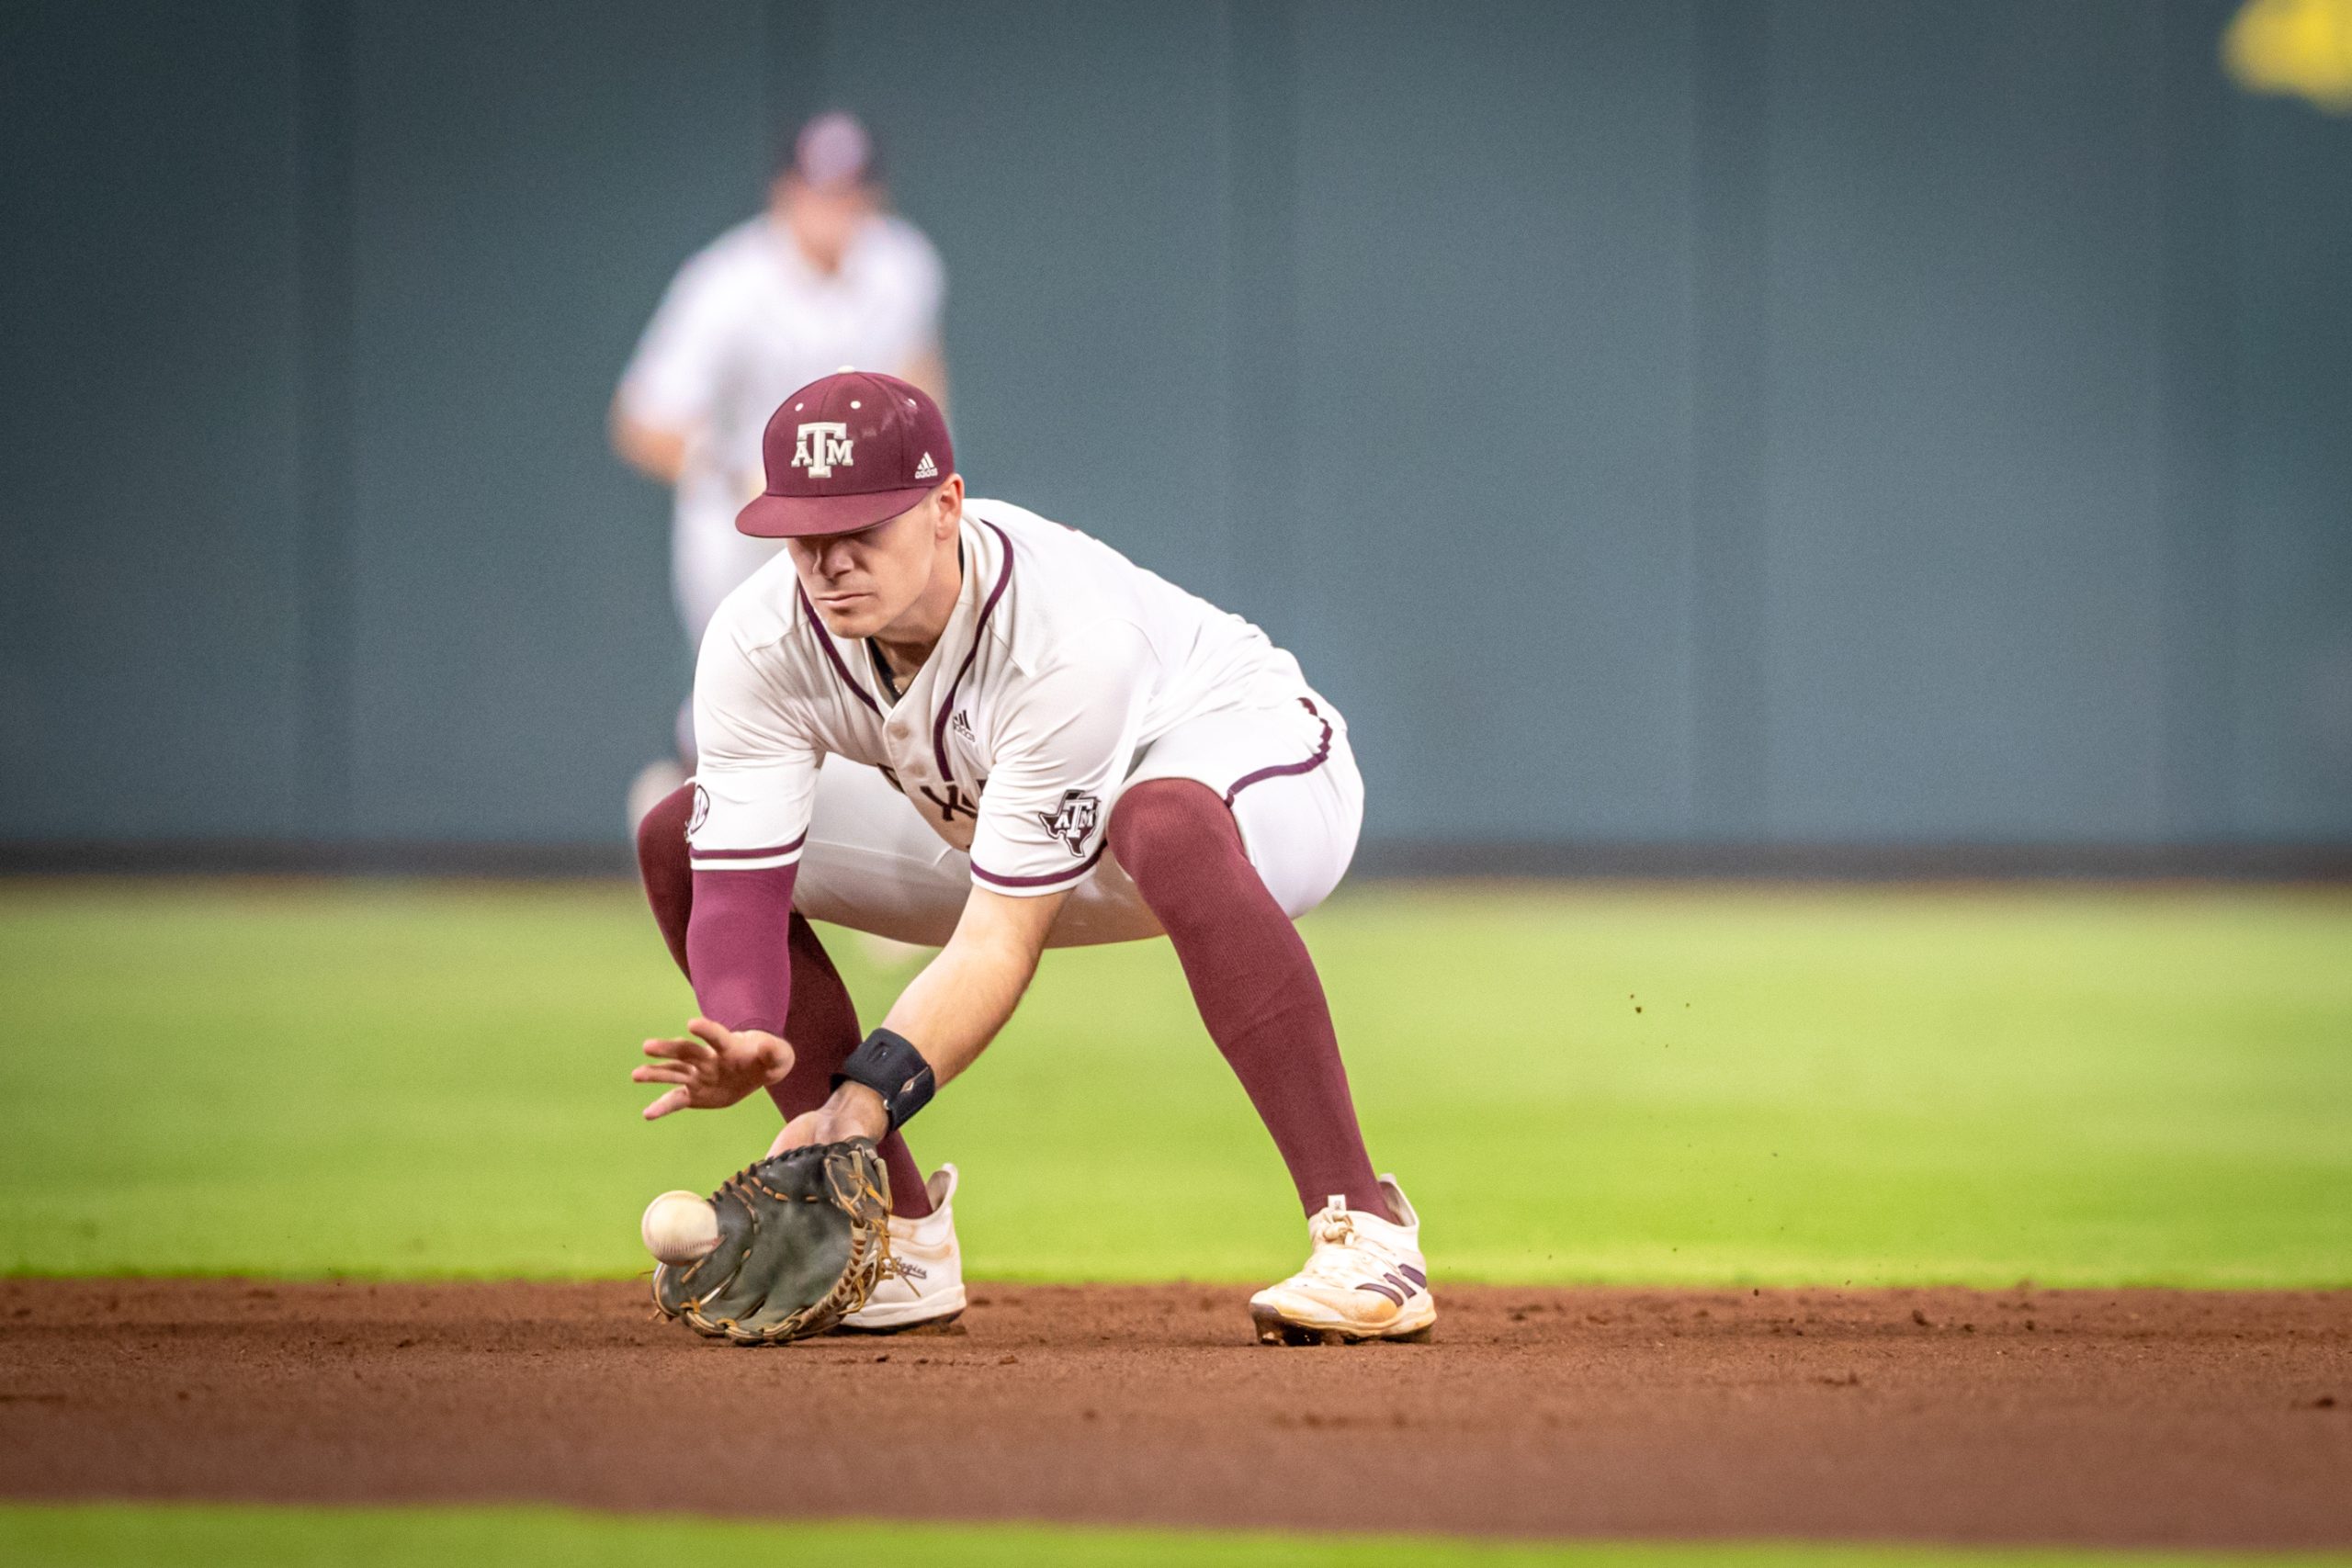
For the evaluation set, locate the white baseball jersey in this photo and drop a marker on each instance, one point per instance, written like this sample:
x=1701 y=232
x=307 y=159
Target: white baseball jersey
x=748 y=319
x=1062 y=663
x=746 y=322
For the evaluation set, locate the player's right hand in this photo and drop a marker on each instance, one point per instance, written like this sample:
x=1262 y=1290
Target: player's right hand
x=712 y=1067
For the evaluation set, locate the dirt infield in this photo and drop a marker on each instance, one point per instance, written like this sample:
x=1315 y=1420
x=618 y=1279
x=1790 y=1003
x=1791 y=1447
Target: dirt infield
x=2125 y=1417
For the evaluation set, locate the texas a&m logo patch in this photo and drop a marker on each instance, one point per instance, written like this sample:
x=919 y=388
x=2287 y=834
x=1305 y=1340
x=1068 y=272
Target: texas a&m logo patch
x=822 y=443
x=1073 y=819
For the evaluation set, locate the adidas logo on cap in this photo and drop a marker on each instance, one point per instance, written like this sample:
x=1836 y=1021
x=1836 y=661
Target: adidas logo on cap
x=926 y=470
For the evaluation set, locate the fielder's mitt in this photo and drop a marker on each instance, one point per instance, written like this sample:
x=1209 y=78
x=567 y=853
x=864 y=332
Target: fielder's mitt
x=802 y=1237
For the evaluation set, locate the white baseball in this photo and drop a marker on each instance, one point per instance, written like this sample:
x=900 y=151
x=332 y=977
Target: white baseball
x=679 y=1227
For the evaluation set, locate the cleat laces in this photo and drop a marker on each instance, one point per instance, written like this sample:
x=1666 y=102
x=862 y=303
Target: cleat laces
x=1342 y=1257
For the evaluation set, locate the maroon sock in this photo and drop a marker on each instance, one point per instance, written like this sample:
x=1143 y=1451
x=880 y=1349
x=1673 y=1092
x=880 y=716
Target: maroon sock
x=1253 y=981
x=663 y=869
x=822 y=1029
x=822 y=1023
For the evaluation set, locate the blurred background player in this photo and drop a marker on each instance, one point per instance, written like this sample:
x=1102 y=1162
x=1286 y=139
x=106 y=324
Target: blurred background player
x=826 y=276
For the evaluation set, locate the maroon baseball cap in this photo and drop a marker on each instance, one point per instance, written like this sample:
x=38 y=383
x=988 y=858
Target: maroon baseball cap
x=845 y=453
x=834 y=152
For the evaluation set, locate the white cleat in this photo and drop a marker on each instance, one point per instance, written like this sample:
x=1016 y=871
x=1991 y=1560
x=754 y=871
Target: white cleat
x=922 y=1284
x=1364 y=1280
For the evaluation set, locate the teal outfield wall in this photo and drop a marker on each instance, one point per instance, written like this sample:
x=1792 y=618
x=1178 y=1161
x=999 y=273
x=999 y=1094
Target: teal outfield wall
x=1668 y=421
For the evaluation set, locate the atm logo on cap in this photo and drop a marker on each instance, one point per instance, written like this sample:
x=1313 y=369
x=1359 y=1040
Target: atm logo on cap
x=820 y=447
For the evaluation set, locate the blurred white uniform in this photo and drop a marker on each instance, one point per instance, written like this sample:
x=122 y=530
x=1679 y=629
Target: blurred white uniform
x=745 y=321
x=1065 y=674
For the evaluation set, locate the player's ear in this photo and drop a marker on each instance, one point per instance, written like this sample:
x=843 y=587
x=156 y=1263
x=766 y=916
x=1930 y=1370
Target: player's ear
x=948 y=498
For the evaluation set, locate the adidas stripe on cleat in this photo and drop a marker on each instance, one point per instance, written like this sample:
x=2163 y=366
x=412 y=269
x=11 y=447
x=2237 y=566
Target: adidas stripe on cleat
x=1364 y=1279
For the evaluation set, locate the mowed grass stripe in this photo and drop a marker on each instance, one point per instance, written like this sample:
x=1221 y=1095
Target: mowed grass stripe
x=2085 y=1087
x=104 y=1535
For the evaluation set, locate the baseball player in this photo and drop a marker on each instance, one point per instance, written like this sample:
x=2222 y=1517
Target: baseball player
x=826 y=276
x=952 y=722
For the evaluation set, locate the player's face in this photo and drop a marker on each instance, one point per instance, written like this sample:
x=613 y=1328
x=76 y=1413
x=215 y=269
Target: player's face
x=867 y=584
x=824 y=220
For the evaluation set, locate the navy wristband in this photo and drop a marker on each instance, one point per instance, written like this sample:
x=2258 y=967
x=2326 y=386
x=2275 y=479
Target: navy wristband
x=890 y=1066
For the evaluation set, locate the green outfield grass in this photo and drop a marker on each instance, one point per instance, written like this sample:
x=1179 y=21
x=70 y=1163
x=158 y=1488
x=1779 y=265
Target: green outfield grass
x=1876 y=1086
x=98 y=1536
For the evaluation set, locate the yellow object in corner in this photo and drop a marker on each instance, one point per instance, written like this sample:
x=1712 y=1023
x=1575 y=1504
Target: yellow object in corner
x=2301 y=48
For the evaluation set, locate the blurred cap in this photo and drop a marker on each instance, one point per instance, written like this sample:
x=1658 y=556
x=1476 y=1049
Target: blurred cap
x=847 y=452
x=832 y=150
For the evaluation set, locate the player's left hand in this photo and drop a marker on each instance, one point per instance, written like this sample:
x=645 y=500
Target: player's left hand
x=712 y=1067
x=802 y=1242
x=854 y=1112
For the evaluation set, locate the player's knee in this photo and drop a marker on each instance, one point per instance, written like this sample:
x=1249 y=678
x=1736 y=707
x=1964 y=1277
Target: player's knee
x=1170 y=821
x=662 y=866
x=661 y=836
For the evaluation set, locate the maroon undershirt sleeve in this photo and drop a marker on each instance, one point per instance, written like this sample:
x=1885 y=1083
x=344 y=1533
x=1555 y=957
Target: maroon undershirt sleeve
x=738 y=942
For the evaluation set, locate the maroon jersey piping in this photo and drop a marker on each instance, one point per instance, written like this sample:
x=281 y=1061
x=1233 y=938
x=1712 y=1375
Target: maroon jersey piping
x=825 y=640
x=1076 y=870
x=1322 y=754
x=980 y=627
x=746 y=854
